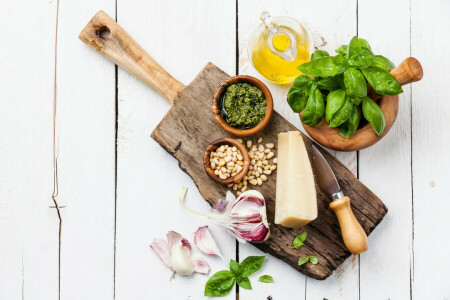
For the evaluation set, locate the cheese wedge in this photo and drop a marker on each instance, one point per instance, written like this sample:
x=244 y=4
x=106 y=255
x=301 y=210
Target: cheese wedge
x=296 y=201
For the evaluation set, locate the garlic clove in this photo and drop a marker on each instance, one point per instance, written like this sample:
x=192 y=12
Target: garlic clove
x=200 y=265
x=180 y=260
x=161 y=249
x=205 y=242
x=246 y=208
x=174 y=238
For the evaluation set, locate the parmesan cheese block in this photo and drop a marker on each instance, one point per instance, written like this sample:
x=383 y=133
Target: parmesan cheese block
x=296 y=201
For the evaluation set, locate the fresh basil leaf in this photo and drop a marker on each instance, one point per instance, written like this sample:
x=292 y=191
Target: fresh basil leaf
x=266 y=279
x=314 y=110
x=335 y=100
x=343 y=50
x=319 y=54
x=329 y=83
x=355 y=84
x=357 y=45
x=234 y=265
x=303 y=260
x=297 y=99
x=220 y=284
x=244 y=282
x=373 y=113
x=340 y=60
x=299 y=239
x=356 y=101
x=342 y=114
x=303 y=82
x=360 y=60
x=322 y=67
x=379 y=61
x=382 y=81
x=313 y=260
x=351 y=125
x=250 y=265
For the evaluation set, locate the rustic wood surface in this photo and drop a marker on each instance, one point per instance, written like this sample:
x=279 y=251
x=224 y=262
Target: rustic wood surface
x=87 y=237
x=189 y=127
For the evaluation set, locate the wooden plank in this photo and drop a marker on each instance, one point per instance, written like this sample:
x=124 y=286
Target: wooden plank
x=344 y=283
x=185 y=136
x=29 y=224
x=431 y=159
x=181 y=36
x=386 y=166
x=86 y=121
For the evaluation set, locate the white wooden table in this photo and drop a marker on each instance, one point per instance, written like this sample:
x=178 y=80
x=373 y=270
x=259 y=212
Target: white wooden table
x=84 y=189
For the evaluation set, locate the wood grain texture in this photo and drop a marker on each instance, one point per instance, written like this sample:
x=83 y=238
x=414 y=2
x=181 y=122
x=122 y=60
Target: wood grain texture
x=182 y=36
x=430 y=111
x=386 y=166
x=85 y=113
x=184 y=136
x=29 y=223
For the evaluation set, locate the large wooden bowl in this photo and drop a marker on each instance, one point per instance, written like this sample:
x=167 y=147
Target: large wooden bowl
x=408 y=71
x=216 y=105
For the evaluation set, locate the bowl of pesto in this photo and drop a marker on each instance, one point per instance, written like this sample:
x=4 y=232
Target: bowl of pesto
x=242 y=105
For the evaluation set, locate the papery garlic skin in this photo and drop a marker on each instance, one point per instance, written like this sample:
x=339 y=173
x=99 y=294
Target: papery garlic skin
x=205 y=242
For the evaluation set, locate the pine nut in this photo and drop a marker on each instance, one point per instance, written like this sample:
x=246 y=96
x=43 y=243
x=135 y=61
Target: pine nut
x=244 y=188
x=253 y=182
x=268 y=172
x=263 y=177
x=267 y=151
x=270 y=155
x=265 y=162
x=273 y=168
x=240 y=141
x=275 y=160
x=270 y=145
x=238 y=193
x=235 y=186
x=259 y=181
x=259 y=140
x=249 y=144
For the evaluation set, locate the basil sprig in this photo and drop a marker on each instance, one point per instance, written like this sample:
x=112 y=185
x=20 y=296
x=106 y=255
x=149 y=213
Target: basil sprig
x=222 y=282
x=338 y=89
x=312 y=259
x=299 y=240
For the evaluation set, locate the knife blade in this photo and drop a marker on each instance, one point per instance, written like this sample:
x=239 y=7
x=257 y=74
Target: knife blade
x=354 y=236
x=325 y=176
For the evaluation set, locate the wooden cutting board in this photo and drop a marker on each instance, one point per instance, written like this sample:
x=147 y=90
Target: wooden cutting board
x=189 y=127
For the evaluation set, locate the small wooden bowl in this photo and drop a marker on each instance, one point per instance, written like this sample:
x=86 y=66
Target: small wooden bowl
x=218 y=97
x=408 y=71
x=230 y=142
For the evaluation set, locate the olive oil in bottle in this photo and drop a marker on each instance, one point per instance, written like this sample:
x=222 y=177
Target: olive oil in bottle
x=278 y=46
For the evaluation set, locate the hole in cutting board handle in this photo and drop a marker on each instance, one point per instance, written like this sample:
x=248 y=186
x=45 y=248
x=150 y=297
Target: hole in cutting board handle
x=103 y=32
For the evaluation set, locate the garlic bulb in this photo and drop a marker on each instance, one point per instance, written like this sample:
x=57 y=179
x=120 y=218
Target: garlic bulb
x=245 y=217
x=176 y=254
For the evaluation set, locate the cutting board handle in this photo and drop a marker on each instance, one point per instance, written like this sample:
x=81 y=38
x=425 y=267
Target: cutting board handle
x=104 y=35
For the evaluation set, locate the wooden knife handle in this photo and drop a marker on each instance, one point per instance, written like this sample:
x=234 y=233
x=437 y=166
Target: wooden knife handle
x=410 y=70
x=104 y=35
x=355 y=238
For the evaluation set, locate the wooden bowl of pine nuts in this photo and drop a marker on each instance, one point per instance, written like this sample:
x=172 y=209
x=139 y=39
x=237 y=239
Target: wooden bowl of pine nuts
x=226 y=161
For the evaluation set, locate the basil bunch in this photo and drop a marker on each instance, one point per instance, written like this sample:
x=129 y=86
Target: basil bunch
x=341 y=82
x=221 y=283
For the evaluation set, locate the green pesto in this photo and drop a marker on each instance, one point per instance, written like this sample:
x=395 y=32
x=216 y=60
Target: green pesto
x=243 y=105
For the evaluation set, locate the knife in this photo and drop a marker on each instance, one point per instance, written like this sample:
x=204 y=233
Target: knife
x=355 y=238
